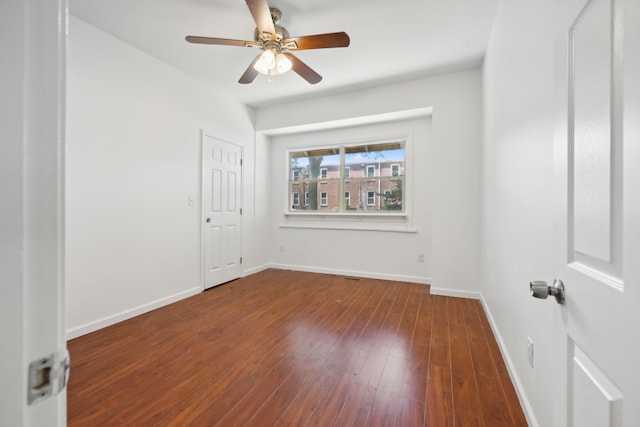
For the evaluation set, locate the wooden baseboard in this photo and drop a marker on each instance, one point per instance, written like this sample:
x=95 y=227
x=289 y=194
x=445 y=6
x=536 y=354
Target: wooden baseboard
x=128 y=314
x=354 y=273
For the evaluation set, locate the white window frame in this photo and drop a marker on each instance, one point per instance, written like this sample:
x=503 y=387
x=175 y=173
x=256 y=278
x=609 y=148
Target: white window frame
x=324 y=173
x=295 y=198
x=373 y=168
x=347 y=199
x=325 y=198
x=347 y=172
x=396 y=165
x=373 y=203
x=356 y=219
x=295 y=175
x=306 y=198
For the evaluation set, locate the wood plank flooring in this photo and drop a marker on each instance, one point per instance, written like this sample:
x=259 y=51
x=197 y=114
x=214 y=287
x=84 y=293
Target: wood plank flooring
x=296 y=349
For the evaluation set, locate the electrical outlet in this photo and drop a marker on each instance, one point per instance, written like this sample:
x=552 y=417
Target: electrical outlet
x=530 y=351
x=421 y=258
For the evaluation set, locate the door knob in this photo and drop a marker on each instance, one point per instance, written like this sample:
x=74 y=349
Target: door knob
x=540 y=289
x=208 y=219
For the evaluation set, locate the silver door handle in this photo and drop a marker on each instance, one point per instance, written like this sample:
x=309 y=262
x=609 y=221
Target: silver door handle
x=540 y=289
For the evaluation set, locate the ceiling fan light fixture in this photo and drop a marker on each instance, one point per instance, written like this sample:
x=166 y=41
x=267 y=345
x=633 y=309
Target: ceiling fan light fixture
x=283 y=64
x=272 y=63
x=275 y=43
x=266 y=62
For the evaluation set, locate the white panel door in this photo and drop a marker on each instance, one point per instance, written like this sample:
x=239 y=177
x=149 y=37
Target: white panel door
x=221 y=202
x=597 y=148
x=32 y=317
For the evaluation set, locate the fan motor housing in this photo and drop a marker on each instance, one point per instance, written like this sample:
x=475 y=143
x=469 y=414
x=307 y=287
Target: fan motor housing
x=281 y=34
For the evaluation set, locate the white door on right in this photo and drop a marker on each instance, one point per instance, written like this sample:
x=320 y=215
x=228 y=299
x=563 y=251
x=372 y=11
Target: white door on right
x=597 y=171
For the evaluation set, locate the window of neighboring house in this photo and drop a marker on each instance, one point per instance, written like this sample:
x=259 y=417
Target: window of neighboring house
x=371 y=198
x=295 y=199
x=361 y=173
x=323 y=199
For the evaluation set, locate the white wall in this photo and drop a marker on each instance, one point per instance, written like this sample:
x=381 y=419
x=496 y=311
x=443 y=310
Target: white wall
x=517 y=192
x=133 y=160
x=455 y=169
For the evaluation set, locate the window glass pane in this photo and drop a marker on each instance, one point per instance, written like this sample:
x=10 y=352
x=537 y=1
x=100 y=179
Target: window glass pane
x=379 y=157
x=311 y=163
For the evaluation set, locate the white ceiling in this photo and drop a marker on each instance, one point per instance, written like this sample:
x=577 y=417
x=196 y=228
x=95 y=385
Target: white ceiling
x=390 y=40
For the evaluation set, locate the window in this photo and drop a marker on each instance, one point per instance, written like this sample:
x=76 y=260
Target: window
x=370 y=177
x=371 y=198
x=295 y=199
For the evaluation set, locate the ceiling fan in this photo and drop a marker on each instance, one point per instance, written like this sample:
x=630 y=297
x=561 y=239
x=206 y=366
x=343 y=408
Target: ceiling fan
x=276 y=45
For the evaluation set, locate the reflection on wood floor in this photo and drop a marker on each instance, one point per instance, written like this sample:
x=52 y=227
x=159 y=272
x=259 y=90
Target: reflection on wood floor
x=291 y=348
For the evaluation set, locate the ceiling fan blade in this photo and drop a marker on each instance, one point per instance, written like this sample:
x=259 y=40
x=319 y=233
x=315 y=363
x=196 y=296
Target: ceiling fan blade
x=250 y=74
x=215 y=40
x=318 y=41
x=262 y=15
x=303 y=69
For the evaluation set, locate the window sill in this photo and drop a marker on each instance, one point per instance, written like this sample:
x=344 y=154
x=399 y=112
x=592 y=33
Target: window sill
x=386 y=222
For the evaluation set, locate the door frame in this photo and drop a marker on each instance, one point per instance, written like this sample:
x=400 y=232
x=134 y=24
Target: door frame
x=203 y=134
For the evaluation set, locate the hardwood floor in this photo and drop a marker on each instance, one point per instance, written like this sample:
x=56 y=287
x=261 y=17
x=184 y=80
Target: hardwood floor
x=297 y=349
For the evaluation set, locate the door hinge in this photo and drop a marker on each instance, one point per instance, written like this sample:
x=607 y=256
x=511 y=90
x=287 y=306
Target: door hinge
x=240 y=162
x=48 y=376
x=240 y=211
x=240 y=260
